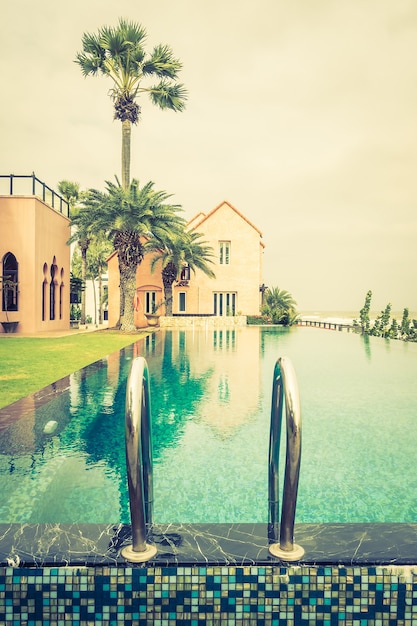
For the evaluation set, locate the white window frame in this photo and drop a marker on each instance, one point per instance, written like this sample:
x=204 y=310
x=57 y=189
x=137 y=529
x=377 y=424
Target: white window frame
x=224 y=252
x=224 y=303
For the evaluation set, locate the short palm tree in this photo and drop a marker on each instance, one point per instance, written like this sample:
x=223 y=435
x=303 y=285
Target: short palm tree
x=70 y=191
x=129 y=217
x=279 y=306
x=182 y=249
x=81 y=233
x=98 y=252
x=119 y=54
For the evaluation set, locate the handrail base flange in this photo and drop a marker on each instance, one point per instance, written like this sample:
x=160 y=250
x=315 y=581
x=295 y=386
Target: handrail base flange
x=286 y=555
x=139 y=557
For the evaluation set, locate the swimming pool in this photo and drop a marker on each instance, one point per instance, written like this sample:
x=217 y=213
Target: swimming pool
x=211 y=394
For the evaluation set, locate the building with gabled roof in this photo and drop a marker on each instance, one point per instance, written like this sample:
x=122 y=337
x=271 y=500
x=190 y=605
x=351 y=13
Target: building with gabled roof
x=237 y=254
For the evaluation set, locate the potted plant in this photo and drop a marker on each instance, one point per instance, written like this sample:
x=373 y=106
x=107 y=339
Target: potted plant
x=75 y=315
x=8 y=286
x=153 y=317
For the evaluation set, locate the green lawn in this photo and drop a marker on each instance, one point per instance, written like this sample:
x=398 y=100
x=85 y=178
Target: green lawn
x=28 y=364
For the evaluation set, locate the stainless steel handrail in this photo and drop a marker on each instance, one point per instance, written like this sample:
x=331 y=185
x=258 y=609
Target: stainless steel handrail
x=284 y=387
x=139 y=460
x=46 y=192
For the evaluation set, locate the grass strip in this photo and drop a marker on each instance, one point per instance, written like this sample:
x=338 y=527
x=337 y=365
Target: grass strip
x=29 y=363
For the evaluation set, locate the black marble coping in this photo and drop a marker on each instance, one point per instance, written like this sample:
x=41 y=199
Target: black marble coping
x=26 y=545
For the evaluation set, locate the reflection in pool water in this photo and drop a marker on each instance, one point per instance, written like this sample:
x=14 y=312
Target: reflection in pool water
x=211 y=395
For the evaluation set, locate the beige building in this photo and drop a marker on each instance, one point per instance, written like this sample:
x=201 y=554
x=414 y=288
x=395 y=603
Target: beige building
x=238 y=254
x=34 y=256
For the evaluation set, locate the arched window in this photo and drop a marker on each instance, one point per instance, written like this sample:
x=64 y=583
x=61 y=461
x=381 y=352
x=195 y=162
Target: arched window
x=10 y=291
x=52 y=291
x=44 y=290
x=61 y=294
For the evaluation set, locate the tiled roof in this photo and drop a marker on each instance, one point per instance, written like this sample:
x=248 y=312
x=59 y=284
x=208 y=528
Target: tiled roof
x=198 y=219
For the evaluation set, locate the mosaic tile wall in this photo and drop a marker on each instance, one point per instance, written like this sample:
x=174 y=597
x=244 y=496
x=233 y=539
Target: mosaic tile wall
x=165 y=596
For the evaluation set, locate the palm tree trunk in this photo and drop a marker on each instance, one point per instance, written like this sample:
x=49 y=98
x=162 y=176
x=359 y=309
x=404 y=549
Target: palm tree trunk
x=100 y=298
x=93 y=281
x=126 y=140
x=83 y=278
x=127 y=295
x=169 y=274
x=129 y=255
x=168 y=299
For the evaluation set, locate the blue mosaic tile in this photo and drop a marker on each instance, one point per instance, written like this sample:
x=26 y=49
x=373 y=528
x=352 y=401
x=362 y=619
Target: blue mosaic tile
x=323 y=596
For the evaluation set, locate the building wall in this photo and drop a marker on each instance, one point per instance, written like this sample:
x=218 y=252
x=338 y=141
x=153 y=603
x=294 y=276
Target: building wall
x=37 y=236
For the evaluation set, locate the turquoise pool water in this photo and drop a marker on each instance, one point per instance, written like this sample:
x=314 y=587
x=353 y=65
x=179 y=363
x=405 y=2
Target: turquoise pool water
x=211 y=395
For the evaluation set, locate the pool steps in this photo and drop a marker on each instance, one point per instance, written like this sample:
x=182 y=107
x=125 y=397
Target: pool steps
x=139 y=461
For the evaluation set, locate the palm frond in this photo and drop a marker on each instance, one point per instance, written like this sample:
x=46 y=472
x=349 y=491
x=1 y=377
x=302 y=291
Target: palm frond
x=162 y=63
x=181 y=248
x=168 y=96
x=133 y=32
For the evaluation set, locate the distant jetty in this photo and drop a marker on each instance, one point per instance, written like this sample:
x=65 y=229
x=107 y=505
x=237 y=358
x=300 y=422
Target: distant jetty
x=341 y=325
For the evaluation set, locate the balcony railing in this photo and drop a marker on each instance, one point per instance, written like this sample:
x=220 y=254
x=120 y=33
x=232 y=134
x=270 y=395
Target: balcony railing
x=15 y=185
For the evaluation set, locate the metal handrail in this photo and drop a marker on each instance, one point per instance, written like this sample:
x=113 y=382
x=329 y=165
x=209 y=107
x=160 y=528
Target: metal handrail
x=139 y=460
x=46 y=192
x=284 y=387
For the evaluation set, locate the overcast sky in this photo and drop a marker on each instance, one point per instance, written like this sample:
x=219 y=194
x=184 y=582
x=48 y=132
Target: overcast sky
x=301 y=114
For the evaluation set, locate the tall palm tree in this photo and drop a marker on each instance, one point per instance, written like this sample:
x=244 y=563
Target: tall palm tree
x=182 y=249
x=279 y=306
x=119 y=54
x=129 y=217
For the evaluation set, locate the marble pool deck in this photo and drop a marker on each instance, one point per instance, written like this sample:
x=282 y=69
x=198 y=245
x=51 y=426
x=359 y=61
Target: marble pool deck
x=44 y=545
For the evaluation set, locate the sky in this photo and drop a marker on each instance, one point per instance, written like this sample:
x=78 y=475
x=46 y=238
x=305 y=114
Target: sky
x=301 y=114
